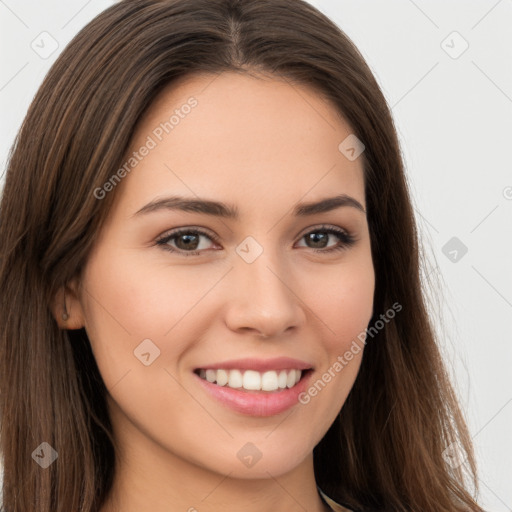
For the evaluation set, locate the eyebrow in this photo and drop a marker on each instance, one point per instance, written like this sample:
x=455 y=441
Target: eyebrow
x=228 y=211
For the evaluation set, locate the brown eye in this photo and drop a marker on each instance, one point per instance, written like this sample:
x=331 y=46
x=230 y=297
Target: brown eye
x=318 y=239
x=185 y=241
x=188 y=242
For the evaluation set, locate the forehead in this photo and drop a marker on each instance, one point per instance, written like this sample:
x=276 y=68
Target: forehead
x=250 y=141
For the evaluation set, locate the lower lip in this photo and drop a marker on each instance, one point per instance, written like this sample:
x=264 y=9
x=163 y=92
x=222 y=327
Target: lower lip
x=254 y=403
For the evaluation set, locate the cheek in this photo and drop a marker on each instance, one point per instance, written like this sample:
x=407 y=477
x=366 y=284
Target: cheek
x=133 y=300
x=342 y=309
x=351 y=311
x=341 y=301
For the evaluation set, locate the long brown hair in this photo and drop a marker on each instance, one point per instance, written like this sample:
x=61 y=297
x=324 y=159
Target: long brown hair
x=385 y=449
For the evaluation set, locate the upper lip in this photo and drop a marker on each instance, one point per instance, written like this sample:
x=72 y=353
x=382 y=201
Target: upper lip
x=261 y=365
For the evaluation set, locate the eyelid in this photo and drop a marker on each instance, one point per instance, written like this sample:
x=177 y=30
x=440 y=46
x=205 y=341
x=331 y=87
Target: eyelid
x=347 y=237
x=162 y=240
x=321 y=227
x=187 y=229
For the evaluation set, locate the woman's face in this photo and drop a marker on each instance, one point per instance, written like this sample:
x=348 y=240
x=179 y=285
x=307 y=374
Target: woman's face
x=269 y=283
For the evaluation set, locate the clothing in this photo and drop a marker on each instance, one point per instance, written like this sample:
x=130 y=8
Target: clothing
x=331 y=503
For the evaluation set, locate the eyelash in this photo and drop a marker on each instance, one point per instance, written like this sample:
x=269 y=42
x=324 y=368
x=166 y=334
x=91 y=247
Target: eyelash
x=347 y=240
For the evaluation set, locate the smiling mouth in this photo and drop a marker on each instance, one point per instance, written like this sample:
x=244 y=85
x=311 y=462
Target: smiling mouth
x=251 y=380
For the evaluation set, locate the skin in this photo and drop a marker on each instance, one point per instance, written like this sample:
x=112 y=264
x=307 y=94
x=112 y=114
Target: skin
x=262 y=145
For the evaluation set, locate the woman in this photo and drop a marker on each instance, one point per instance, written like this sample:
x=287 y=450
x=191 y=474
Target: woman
x=187 y=173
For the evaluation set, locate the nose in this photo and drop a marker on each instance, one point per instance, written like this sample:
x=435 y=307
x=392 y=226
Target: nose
x=262 y=300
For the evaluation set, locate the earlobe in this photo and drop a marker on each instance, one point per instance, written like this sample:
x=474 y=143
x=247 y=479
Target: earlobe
x=67 y=309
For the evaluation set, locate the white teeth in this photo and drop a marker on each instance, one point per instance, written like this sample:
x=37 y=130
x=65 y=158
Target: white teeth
x=222 y=377
x=269 y=381
x=281 y=380
x=290 y=380
x=253 y=380
x=235 y=379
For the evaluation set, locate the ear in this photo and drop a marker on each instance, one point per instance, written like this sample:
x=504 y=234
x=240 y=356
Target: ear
x=72 y=305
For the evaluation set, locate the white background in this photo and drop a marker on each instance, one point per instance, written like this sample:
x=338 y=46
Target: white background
x=454 y=117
